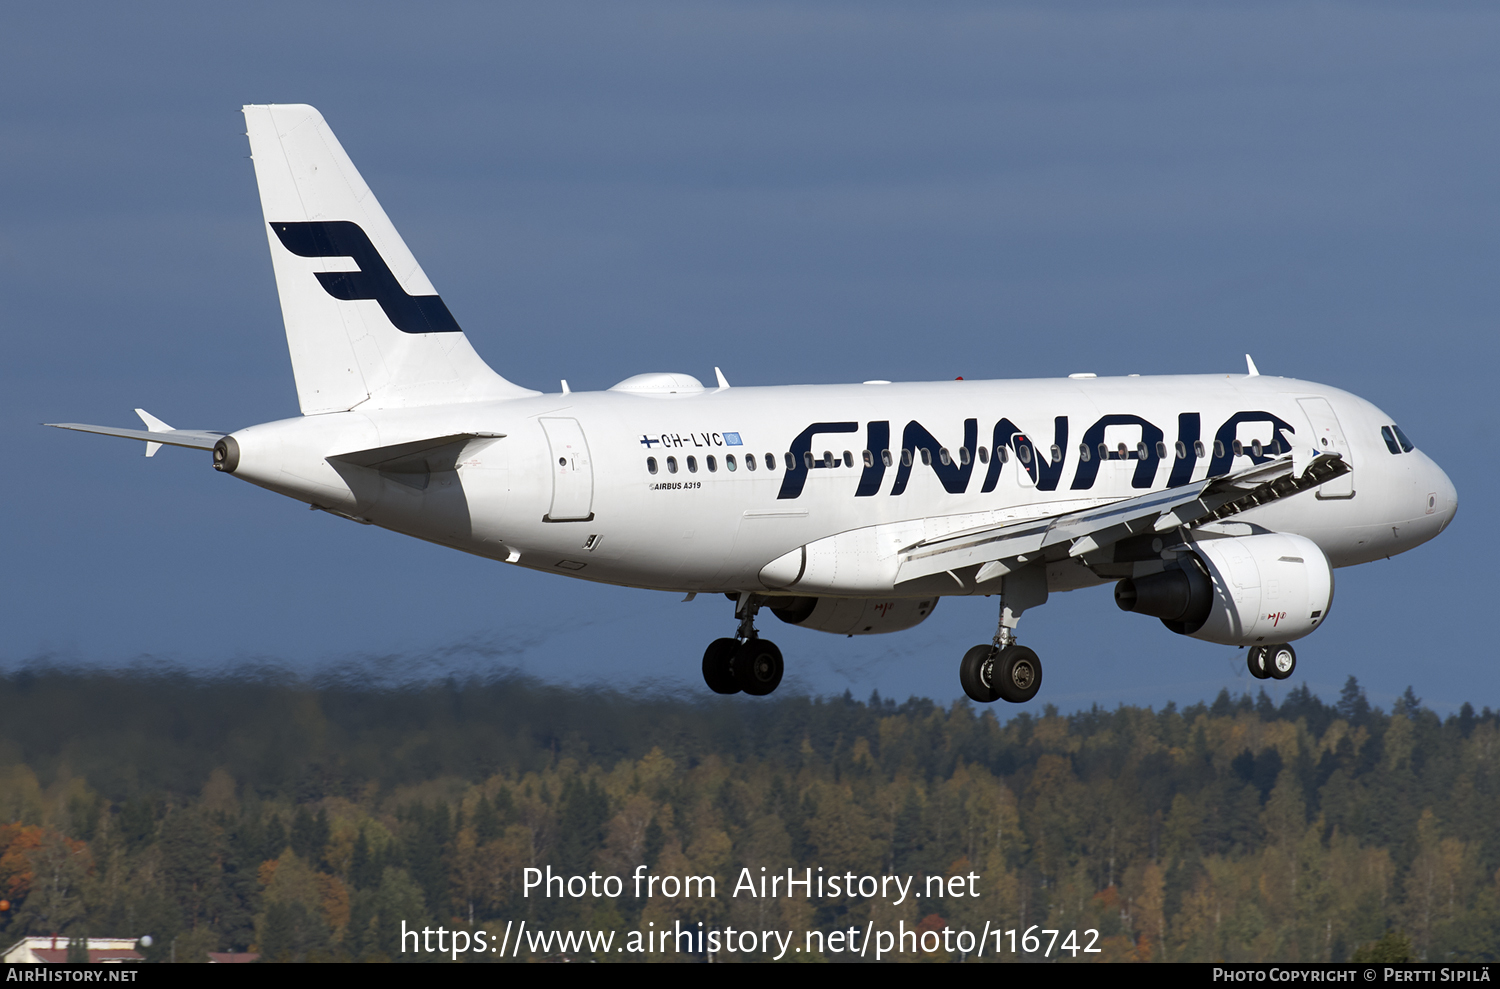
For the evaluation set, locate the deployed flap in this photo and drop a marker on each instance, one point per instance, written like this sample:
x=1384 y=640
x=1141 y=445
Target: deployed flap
x=363 y=323
x=427 y=456
x=999 y=550
x=196 y=439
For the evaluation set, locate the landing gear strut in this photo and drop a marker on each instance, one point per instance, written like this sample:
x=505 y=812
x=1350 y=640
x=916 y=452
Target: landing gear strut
x=1004 y=670
x=746 y=662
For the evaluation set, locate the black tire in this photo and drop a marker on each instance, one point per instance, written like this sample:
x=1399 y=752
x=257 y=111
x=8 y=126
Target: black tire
x=718 y=666
x=976 y=674
x=757 y=667
x=1281 y=661
x=1256 y=660
x=1018 y=674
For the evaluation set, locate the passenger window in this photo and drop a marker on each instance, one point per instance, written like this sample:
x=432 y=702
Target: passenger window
x=1181 y=450
x=713 y=464
x=1023 y=451
x=1218 y=448
x=1056 y=453
x=1406 y=445
x=692 y=464
x=791 y=461
x=750 y=461
x=1084 y=454
x=1198 y=449
x=944 y=456
x=984 y=455
x=905 y=457
x=886 y=458
x=1161 y=450
x=671 y=465
x=926 y=457
x=848 y=459
x=651 y=464
x=729 y=462
x=1103 y=452
x=1256 y=448
x=1239 y=448
x=963 y=455
x=869 y=458
x=1002 y=454
x=807 y=459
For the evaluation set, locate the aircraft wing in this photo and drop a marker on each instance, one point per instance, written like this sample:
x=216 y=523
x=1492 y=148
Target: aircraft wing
x=1003 y=549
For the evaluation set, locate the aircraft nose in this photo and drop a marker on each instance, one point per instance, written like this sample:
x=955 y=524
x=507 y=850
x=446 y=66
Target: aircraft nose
x=1442 y=500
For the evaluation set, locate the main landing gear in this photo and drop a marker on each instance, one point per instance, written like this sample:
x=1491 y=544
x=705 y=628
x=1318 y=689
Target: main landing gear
x=1272 y=662
x=1003 y=670
x=746 y=662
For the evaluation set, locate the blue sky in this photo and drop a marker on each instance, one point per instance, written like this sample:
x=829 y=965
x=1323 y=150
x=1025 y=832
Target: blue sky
x=795 y=192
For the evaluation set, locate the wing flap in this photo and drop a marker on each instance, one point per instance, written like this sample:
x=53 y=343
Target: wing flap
x=1003 y=549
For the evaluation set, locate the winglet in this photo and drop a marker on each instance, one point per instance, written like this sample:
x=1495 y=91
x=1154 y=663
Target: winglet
x=723 y=381
x=1251 y=369
x=153 y=425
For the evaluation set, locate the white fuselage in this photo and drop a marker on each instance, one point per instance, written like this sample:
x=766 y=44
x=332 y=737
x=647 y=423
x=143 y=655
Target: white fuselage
x=568 y=489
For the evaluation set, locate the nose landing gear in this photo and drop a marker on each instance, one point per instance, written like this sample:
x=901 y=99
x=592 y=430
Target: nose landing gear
x=1272 y=662
x=745 y=663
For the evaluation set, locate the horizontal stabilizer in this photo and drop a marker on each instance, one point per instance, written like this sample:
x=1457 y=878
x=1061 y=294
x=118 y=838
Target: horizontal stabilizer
x=195 y=439
x=427 y=456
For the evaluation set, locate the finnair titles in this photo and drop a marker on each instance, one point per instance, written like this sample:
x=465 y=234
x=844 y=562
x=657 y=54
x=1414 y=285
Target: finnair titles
x=1219 y=504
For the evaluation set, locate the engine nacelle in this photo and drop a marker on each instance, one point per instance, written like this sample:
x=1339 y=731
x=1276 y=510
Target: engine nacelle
x=1238 y=591
x=853 y=616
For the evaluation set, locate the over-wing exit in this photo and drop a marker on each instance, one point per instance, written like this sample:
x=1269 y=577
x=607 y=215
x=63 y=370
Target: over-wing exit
x=1219 y=504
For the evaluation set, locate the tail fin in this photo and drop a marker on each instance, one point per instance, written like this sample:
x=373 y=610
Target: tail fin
x=364 y=325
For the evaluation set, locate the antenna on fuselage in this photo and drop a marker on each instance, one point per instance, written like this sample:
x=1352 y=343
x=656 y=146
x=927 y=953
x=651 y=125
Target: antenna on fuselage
x=1252 y=370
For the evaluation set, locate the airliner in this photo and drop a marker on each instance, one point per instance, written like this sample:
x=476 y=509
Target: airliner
x=1219 y=504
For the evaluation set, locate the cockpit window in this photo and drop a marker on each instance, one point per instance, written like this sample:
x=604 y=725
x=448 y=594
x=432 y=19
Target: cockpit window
x=1407 y=445
x=1390 y=439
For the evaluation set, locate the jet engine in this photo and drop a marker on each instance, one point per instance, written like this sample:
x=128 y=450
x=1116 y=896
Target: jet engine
x=853 y=616
x=1237 y=591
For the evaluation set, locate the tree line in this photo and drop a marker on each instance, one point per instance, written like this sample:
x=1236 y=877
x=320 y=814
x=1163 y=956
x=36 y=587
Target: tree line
x=307 y=820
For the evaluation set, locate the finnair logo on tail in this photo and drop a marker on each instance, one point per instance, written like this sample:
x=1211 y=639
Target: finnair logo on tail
x=373 y=280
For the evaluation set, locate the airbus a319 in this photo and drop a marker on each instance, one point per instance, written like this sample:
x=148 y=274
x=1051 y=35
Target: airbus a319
x=1220 y=504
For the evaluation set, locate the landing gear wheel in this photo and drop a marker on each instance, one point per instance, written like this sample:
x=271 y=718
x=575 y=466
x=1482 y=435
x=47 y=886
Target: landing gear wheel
x=1256 y=660
x=718 y=666
x=757 y=667
x=1281 y=661
x=976 y=672
x=1017 y=674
